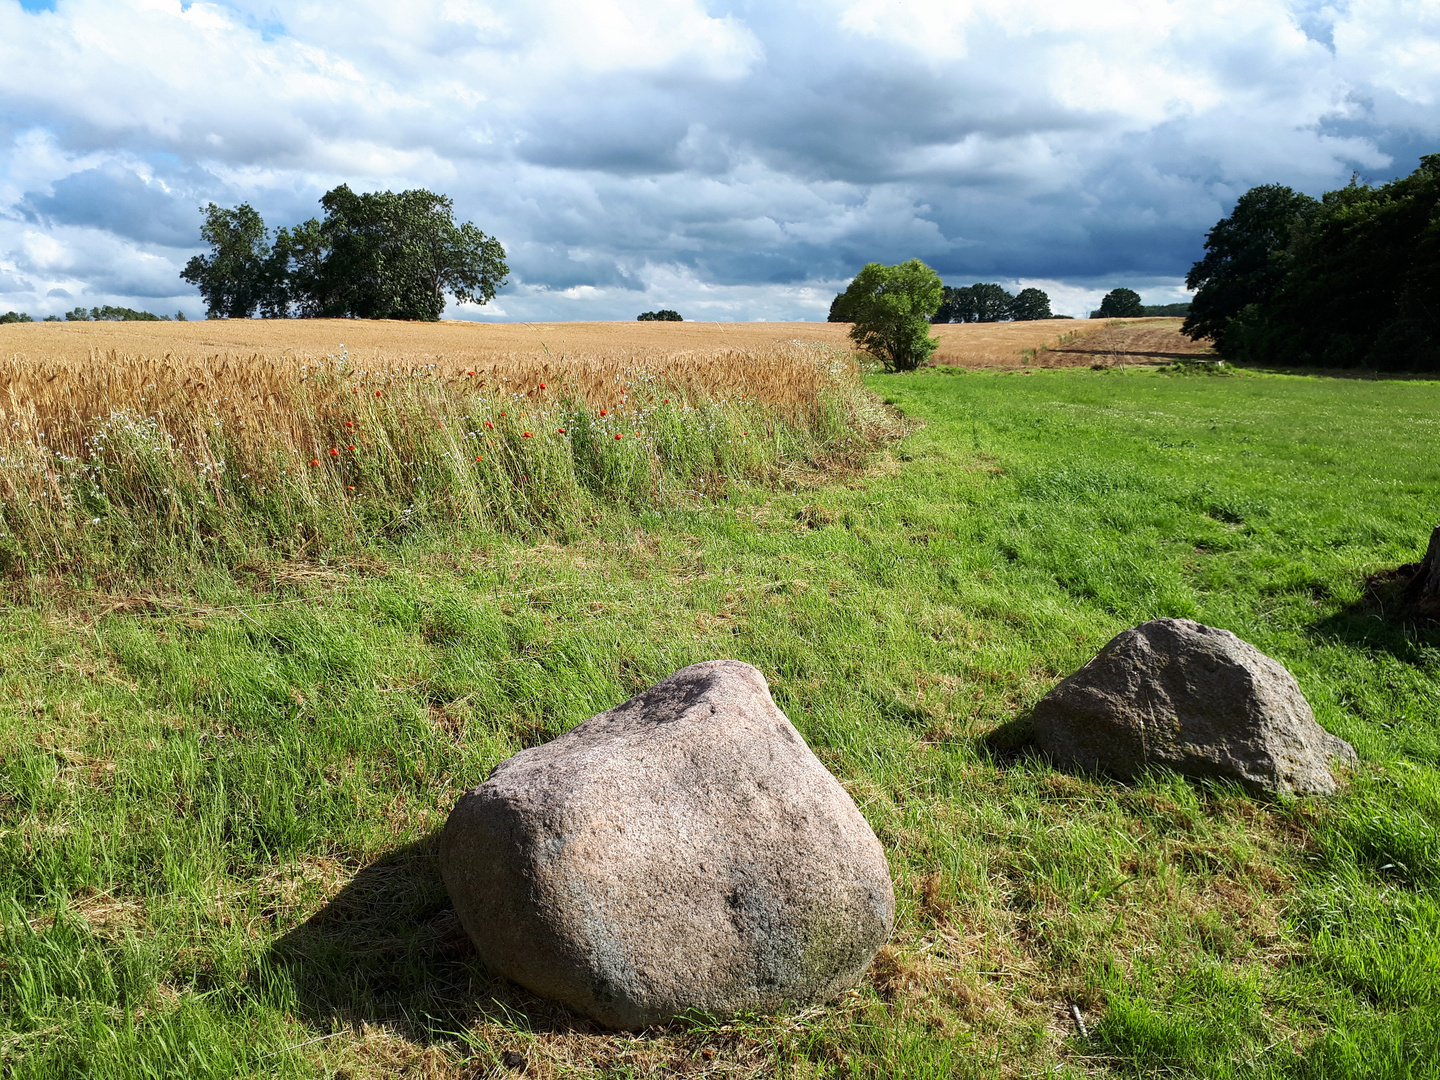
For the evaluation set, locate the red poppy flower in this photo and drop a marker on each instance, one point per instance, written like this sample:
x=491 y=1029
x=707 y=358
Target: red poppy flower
x=617 y=436
x=744 y=433
x=377 y=393
x=350 y=448
x=542 y=386
x=314 y=463
x=442 y=423
x=334 y=452
x=602 y=412
x=667 y=401
x=489 y=425
x=525 y=434
x=349 y=423
x=479 y=457
x=502 y=414
x=470 y=373
x=560 y=431
x=350 y=487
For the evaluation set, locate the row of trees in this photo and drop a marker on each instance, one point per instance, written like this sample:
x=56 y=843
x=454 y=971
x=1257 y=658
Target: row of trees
x=377 y=255
x=983 y=302
x=110 y=313
x=976 y=303
x=663 y=315
x=107 y=313
x=1126 y=304
x=1350 y=279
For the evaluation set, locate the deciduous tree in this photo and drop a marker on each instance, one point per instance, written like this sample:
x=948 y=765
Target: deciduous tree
x=1245 y=259
x=232 y=278
x=1120 y=304
x=1030 y=304
x=980 y=302
x=377 y=255
x=891 y=308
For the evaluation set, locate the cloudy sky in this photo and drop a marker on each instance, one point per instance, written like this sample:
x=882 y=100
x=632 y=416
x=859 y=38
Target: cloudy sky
x=733 y=160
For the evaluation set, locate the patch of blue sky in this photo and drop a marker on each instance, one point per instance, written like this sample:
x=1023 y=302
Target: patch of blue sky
x=264 y=22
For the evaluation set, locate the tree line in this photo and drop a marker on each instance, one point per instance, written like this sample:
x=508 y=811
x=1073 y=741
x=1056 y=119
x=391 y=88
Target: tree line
x=1349 y=279
x=976 y=303
x=374 y=255
x=105 y=313
x=1126 y=304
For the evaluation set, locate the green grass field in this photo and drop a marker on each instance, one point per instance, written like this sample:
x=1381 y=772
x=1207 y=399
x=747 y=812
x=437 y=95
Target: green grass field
x=218 y=800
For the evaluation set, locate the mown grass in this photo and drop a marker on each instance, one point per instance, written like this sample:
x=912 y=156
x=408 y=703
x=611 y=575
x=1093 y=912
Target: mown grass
x=218 y=799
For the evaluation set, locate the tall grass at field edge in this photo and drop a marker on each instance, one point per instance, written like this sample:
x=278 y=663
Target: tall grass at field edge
x=335 y=458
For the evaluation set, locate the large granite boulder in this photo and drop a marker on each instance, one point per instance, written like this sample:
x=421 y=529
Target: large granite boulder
x=684 y=851
x=1179 y=695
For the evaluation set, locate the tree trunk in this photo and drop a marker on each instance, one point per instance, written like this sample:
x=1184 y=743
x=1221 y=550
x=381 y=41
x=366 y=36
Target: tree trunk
x=1424 y=588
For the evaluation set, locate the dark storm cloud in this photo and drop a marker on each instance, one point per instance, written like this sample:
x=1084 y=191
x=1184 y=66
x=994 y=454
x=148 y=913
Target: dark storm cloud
x=118 y=200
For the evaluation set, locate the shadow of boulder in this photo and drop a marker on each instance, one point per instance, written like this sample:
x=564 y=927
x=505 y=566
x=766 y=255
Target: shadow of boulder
x=1385 y=618
x=389 y=950
x=1012 y=744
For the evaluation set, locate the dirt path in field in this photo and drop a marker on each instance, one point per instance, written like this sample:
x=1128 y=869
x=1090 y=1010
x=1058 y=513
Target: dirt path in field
x=1141 y=341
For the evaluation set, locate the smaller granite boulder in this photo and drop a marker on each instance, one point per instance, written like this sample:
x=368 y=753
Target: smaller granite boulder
x=1175 y=694
x=684 y=851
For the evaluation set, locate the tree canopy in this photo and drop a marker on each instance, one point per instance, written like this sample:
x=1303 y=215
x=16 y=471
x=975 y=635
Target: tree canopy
x=1120 y=304
x=1030 y=304
x=375 y=255
x=109 y=313
x=891 y=308
x=988 y=302
x=1350 y=280
x=663 y=315
x=234 y=278
x=980 y=302
x=1245 y=257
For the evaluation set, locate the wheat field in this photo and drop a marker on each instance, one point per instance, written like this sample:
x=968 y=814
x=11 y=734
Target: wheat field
x=217 y=440
x=455 y=345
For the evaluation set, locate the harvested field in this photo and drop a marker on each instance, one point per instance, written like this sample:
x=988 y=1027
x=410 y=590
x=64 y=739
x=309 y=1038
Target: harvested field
x=1133 y=341
x=1011 y=344
x=1066 y=343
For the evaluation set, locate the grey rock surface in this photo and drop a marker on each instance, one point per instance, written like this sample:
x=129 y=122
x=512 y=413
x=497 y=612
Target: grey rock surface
x=683 y=851
x=1176 y=694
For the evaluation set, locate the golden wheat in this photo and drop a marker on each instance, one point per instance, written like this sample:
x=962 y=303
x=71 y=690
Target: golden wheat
x=58 y=384
x=254 y=433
